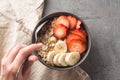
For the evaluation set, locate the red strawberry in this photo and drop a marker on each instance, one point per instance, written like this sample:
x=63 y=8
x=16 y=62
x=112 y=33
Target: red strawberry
x=63 y=21
x=73 y=22
x=80 y=33
x=71 y=37
x=76 y=45
x=78 y=24
x=59 y=31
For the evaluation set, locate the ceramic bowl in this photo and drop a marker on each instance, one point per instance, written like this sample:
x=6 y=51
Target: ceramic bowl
x=49 y=17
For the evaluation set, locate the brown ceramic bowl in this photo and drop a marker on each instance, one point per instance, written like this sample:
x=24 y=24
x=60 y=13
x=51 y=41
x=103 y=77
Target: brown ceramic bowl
x=51 y=17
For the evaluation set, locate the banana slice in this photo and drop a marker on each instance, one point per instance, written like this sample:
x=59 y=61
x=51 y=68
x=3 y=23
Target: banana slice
x=60 y=46
x=61 y=59
x=72 y=58
x=50 y=56
x=55 y=59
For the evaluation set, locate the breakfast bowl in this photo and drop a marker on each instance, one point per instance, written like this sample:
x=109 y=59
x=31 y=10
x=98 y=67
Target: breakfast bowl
x=66 y=40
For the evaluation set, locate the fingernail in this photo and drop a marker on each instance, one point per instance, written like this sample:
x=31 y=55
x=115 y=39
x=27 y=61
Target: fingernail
x=36 y=59
x=40 y=44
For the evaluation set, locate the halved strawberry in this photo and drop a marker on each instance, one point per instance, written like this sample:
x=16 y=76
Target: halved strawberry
x=73 y=21
x=78 y=24
x=76 y=45
x=71 y=37
x=62 y=20
x=60 y=31
x=81 y=33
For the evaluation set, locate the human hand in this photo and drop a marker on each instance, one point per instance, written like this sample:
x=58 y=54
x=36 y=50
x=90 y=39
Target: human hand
x=15 y=65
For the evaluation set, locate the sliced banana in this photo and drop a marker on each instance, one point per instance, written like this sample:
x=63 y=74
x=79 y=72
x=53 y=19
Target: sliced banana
x=72 y=58
x=50 y=56
x=55 y=59
x=61 y=59
x=60 y=46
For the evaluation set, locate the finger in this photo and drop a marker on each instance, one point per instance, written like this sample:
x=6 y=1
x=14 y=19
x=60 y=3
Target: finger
x=14 y=52
x=8 y=51
x=32 y=58
x=23 y=53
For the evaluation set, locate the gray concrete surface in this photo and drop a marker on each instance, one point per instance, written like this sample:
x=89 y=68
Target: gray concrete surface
x=103 y=20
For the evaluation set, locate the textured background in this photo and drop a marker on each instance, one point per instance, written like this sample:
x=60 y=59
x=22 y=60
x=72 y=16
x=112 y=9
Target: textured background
x=103 y=20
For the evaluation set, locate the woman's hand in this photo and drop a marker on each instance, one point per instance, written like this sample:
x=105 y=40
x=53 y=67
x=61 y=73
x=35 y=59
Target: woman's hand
x=15 y=65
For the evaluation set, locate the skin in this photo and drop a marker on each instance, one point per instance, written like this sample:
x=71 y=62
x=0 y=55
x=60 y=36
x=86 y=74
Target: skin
x=16 y=65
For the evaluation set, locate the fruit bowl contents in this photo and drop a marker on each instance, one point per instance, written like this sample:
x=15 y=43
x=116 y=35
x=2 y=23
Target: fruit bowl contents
x=64 y=41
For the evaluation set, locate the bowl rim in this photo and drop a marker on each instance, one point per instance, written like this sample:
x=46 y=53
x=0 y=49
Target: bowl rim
x=55 y=14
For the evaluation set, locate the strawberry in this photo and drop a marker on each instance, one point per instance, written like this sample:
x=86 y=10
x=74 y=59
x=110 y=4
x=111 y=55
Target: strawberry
x=81 y=33
x=76 y=45
x=59 y=31
x=73 y=21
x=71 y=37
x=63 y=21
x=78 y=24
